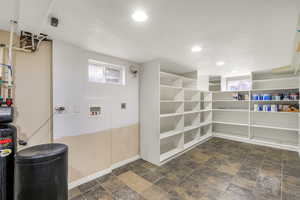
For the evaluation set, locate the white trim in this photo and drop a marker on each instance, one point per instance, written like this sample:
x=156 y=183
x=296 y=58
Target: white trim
x=125 y=162
x=256 y=142
x=101 y=173
x=89 y=178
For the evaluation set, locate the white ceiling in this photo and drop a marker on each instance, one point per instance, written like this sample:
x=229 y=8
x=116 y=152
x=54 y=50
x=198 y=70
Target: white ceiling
x=246 y=34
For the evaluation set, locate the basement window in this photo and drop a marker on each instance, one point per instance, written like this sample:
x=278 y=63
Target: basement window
x=101 y=72
x=238 y=83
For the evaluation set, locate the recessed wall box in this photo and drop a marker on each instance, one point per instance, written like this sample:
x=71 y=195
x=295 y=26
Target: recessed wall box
x=94 y=111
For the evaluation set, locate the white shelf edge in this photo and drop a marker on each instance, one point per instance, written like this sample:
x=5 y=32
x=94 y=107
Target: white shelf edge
x=277 y=79
x=170 y=134
x=169 y=154
x=257 y=142
x=274 y=100
x=191 y=112
x=169 y=74
x=171 y=87
x=295 y=113
x=196 y=141
x=230 y=123
x=170 y=115
x=191 y=101
x=191 y=89
x=205 y=110
x=231 y=110
x=229 y=100
x=189 y=128
x=171 y=101
x=274 y=89
x=231 y=91
x=273 y=127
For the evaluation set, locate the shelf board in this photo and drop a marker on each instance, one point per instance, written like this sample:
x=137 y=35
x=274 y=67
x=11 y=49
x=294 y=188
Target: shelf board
x=274 y=89
x=191 y=89
x=169 y=154
x=170 y=134
x=275 y=112
x=171 y=101
x=192 y=143
x=191 y=112
x=166 y=74
x=230 y=100
x=170 y=115
x=188 y=128
x=192 y=101
x=230 y=135
x=274 y=127
x=274 y=100
x=276 y=79
x=171 y=87
x=230 y=123
x=231 y=110
x=231 y=91
x=205 y=110
x=274 y=142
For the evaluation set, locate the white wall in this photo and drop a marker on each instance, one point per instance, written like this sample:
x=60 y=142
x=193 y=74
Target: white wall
x=72 y=89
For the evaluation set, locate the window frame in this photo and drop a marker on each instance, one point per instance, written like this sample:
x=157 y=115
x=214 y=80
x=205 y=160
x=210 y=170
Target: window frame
x=238 y=78
x=106 y=65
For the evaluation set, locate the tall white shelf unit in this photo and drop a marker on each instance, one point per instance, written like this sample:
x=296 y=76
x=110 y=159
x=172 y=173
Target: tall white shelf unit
x=237 y=120
x=175 y=115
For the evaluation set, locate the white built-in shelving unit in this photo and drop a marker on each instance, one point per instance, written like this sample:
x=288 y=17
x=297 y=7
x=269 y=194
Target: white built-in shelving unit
x=175 y=114
x=237 y=119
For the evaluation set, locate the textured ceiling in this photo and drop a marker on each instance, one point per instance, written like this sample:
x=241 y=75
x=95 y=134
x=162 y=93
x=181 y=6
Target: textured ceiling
x=246 y=34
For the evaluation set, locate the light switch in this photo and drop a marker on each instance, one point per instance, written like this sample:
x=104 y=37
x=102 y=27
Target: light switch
x=123 y=106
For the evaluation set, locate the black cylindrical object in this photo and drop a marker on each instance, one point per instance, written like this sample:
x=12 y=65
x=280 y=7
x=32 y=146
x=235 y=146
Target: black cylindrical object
x=7 y=151
x=41 y=173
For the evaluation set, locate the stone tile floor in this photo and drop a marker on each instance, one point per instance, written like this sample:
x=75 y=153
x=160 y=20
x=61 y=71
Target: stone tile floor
x=216 y=170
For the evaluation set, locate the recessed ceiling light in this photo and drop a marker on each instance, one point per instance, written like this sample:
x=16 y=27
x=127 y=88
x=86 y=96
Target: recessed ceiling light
x=233 y=71
x=196 y=49
x=139 y=16
x=220 y=63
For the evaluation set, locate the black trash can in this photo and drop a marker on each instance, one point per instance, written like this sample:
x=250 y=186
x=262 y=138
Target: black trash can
x=41 y=173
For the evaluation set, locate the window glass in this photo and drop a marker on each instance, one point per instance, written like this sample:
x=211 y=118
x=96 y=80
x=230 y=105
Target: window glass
x=238 y=83
x=100 y=72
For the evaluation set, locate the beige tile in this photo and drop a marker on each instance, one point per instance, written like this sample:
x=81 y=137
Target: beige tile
x=156 y=193
x=198 y=156
x=230 y=168
x=135 y=182
x=244 y=183
x=74 y=193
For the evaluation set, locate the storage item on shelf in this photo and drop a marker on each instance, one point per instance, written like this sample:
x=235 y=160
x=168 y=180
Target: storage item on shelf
x=239 y=96
x=276 y=96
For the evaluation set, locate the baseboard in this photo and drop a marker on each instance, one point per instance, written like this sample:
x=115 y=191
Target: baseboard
x=125 y=162
x=102 y=172
x=89 y=178
x=256 y=142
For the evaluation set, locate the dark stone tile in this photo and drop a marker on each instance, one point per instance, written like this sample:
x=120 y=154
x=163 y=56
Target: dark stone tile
x=98 y=193
x=113 y=184
x=291 y=171
x=121 y=170
x=88 y=186
x=166 y=184
x=269 y=185
x=291 y=185
x=235 y=192
x=125 y=193
x=248 y=172
x=152 y=176
x=287 y=196
x=104 y=178
x=80 y=197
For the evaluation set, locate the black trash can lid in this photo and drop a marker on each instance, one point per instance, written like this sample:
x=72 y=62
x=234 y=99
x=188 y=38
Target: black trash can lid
x=41 y=153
